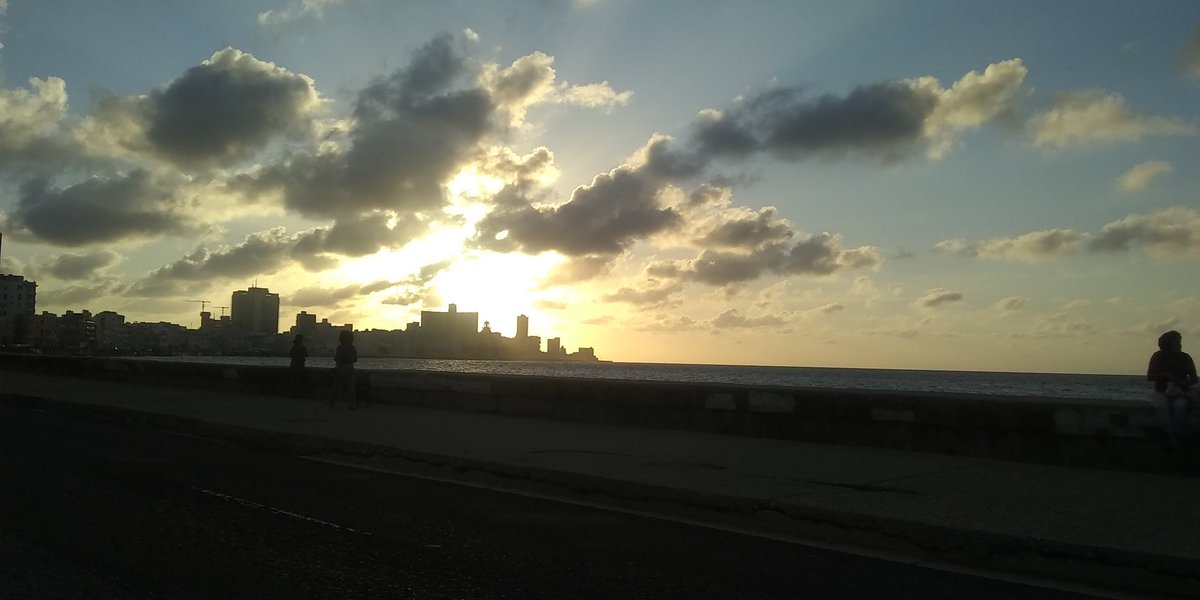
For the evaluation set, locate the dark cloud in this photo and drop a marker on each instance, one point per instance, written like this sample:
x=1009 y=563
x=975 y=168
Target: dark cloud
x=411 y=132
x=604 y=218
x=731 y=319
x=409 y=298
x=1011 y=304
x=355 y=235
x=818 y=255
x=748 y=231
x=938 y=297
x=101 y=209
x=322 y=297
x=648 y=297
x=226 y=107
x=81 y=266
x=78 y=297
x=261 y=253
x=886 y=120
x=1033 y=246
x=1172 y=231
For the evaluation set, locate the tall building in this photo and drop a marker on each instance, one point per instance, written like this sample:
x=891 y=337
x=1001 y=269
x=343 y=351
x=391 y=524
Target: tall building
x=255 y=311
x=17 y=300
x=522 y=327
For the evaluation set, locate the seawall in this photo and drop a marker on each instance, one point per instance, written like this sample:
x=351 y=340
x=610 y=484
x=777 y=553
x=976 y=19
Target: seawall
x=1085 y=433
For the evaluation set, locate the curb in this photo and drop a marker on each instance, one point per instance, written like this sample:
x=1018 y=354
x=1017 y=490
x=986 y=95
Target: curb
x=1094 y=566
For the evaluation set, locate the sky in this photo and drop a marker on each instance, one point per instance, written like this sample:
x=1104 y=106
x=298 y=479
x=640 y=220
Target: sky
x=959 y=185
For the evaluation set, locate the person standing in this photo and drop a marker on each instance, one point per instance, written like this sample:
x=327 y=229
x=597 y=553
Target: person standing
x=1174 y=375
x=298 y=375
x=343 y=373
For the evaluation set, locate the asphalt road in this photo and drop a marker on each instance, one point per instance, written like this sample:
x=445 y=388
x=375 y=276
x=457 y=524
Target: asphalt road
x=100 y=509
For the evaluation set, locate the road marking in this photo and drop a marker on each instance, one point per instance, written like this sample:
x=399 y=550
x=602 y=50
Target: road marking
x=890 y=556
x=278 y=511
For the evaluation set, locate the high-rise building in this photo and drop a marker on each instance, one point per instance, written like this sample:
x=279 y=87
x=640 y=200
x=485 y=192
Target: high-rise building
x=522 y=327
x=17 y=300
x=254 y=311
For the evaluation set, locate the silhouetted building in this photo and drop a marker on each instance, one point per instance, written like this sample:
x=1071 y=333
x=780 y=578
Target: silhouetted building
x=17 y=301
x=319 y=338
x=111 y=333
x=255 y=312
x=448 y=334
x=158 y=338
x=77 y=331
x=44 y=332
x=522 y=327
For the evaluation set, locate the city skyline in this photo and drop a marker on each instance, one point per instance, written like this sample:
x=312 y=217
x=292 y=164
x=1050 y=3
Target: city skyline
x=253 y=327
x=932 y=185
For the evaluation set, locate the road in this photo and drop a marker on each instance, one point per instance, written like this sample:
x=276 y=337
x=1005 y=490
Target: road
x=102 y=509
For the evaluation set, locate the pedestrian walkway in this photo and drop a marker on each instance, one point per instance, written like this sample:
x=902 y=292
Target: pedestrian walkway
x=1107 y=528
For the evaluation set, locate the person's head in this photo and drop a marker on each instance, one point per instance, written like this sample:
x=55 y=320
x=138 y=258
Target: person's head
x=346 y=337
x=1171 y=340
x=299 y=338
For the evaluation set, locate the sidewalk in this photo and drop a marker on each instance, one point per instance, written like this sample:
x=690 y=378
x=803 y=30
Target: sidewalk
x=1109 y=529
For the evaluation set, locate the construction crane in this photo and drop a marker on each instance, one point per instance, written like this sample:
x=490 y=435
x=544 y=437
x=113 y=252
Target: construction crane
x=203 y=303
x=222 y=309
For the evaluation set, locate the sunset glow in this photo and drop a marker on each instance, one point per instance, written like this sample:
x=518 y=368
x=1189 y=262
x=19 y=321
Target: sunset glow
x=908 y=184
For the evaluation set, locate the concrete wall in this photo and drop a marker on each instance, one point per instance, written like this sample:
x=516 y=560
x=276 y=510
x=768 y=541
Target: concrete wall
x=1107 y=434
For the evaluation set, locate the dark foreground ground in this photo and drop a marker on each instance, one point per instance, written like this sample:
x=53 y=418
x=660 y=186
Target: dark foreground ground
x=99 y=509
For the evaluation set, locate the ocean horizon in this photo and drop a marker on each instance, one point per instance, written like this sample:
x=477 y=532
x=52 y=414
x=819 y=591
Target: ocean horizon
x=988 y=383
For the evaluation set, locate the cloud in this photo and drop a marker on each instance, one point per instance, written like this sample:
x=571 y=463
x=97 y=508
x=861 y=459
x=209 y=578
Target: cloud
x=1033 y=246
x=603 y=218
x=1140 y=176
x=217 y=113
x=412 y=131
x=665 y=323
x=973 y=101
x=103 y=209
x=1061 y=325
x=731 y=319
x=1169 y=232
x=820 y=254
x=263 y=252
x=295 y=11
x=1093 y=116
x=887 y=120
x=648 y=297
x=829 y=309
x=322 y=297
x=938 y=297
x=531 y=80
x=353 y=236
x=75 y=296
x=1189 y=57
x=32 y=124
x=81 y=266
x=1011 y=304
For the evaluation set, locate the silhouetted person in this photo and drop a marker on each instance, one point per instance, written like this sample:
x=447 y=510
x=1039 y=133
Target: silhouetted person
x=1174 y=375
x=343 y=374
x=298 y=376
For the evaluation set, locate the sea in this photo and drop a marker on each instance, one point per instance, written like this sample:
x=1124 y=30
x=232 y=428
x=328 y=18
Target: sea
x=1041 y=385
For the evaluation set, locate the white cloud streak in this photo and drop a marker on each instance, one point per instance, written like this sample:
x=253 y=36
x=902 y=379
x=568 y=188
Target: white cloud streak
x=1093 y=116
x=1139 y=177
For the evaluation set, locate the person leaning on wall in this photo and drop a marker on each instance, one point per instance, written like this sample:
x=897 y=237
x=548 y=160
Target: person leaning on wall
x=343 y=372
x=1174 y=375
